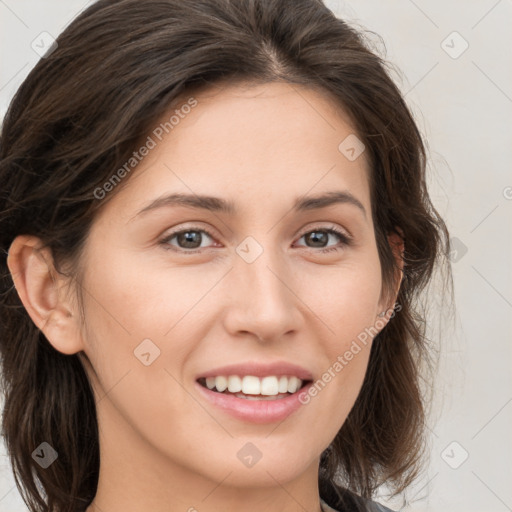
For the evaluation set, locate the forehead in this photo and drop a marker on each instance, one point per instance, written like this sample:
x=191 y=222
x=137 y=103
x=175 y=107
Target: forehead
x=248 y=141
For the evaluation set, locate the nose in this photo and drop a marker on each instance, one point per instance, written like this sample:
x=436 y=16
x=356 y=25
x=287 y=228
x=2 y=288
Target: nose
x=263 y=299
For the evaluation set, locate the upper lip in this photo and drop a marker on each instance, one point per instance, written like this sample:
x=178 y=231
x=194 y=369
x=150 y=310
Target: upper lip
x=279 y=368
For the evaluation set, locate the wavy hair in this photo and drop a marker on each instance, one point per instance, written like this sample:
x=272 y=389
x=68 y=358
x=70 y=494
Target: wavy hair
x=80 y=114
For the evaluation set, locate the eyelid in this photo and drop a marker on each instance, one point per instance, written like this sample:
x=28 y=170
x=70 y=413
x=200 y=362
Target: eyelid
x=323 y=226
x=190 y=226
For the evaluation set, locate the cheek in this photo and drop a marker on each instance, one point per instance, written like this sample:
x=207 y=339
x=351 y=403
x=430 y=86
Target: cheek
x=137 y=298
x=133 y=317
x=345 y=297
x=346 y=302
x=144 y=313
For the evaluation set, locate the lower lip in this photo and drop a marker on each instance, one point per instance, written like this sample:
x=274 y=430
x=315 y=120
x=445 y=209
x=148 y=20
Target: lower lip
x=255 y=411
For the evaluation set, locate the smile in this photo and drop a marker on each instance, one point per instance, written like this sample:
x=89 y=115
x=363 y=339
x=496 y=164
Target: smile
x=254 y=408
x=254 y=388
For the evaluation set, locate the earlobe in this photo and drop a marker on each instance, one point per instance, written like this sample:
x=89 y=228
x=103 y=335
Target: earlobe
x=38 y=286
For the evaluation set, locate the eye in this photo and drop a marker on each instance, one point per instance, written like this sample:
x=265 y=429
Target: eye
x=189 y=241
x=321 y=236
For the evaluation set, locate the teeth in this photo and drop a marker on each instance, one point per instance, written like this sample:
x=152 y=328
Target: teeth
x=221 y=383
x=251 y=385
x=234 y=384
x=269 y=386
x=283 y=385
x=259 y=397
x=294 y=384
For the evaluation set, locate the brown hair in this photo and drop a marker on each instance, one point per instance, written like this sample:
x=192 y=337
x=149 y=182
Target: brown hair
x=78 y=116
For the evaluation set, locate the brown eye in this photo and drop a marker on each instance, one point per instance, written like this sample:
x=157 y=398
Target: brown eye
x=186 y=240
x=319 y=238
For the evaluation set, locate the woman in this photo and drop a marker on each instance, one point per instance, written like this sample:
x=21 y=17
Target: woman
x=214 y=226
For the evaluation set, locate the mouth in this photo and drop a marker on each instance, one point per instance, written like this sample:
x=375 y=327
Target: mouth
x=256 y=391
x=251 y=387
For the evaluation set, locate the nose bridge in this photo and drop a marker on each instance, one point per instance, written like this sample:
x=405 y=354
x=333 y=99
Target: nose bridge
x=263 y=302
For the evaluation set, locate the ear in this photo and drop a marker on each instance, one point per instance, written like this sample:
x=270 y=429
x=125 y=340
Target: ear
x=396 y=242
x=41 y=290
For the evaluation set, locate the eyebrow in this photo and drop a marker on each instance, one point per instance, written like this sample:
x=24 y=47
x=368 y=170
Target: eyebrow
x=217 y=204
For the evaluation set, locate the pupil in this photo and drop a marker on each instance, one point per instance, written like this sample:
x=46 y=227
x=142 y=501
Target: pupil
x=187 y=237
x=316 y=235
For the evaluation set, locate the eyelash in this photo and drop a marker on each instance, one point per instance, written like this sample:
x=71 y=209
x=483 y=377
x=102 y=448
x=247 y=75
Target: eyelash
x=346 y=240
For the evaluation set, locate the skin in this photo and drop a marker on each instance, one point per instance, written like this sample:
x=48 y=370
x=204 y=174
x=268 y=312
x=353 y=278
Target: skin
x=162 y=446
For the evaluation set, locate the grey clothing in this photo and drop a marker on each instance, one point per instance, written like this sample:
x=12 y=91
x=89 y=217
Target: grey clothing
x=373 y=506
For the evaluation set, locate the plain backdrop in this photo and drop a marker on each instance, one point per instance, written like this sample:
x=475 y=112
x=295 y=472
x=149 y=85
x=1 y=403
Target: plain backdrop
x=455 y=70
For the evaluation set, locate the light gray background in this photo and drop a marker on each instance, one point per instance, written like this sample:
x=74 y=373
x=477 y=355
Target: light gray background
x=463 y=105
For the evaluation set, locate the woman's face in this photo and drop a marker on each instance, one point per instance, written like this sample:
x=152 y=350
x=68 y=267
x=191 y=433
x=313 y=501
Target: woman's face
x=177 y=291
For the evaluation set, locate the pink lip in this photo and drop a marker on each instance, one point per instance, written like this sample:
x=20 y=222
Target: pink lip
x=255 y=411
x=259 y=370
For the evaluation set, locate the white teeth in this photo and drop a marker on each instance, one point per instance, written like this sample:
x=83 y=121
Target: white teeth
x=293 y=384
x=251 y=385
x=234 y=384
x=269 y=386
x=283 y=385
x=221 y=383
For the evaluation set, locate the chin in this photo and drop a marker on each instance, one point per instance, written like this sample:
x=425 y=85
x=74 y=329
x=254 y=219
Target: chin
x=263 y=467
